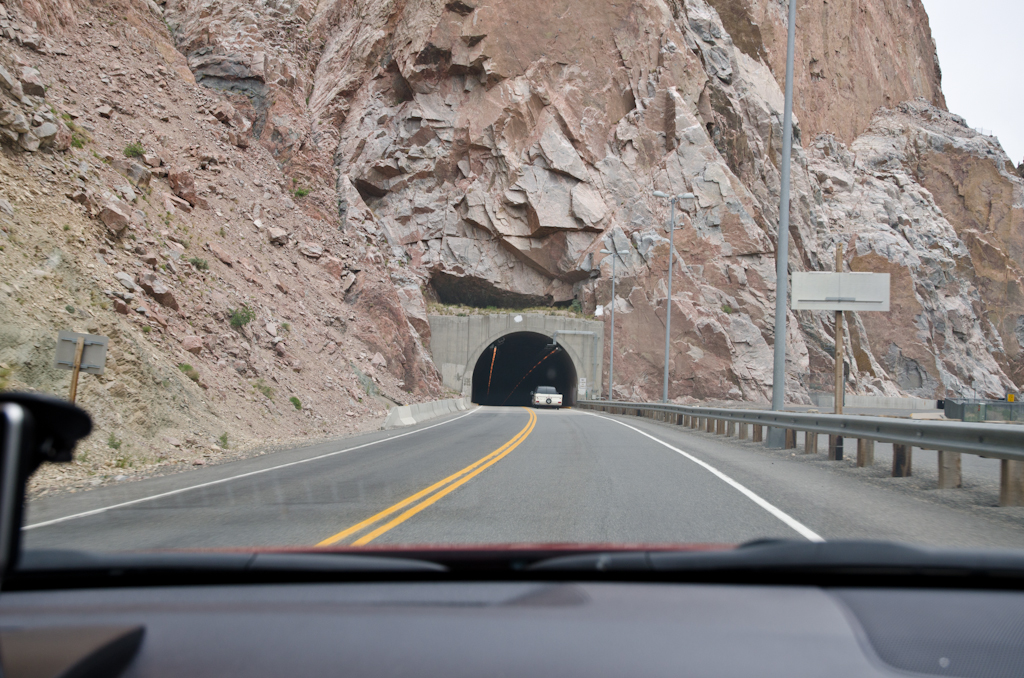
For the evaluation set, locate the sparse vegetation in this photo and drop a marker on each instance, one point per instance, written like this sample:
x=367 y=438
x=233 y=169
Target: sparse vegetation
x=67 y=227
x=726 y=308
x=78 y=140
x=189 y=371
x=113 y=442
x=295 y=401
x=301 y=192
x=69 y=308
x=287 y=327
x=134 y=150
x=200 y=264
x=221 y=232
x=146 y=329
x=240 y=317
x=5 y=378
x=122 y=462
x=264 y=388
x=223 y=440
x=576 y=306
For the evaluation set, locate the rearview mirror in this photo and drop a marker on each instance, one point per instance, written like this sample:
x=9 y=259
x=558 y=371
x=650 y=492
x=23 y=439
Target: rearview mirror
x=33 y=429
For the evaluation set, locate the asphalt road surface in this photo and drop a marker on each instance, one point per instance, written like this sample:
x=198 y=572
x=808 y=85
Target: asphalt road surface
x=513 y=475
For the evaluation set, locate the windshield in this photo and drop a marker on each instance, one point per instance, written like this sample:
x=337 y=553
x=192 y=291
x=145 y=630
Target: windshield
x=518 y=273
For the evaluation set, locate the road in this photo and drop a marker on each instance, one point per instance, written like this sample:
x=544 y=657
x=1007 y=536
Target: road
x=504 y=475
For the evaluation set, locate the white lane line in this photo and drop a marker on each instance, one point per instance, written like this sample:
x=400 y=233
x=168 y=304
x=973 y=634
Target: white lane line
x=792 y=522
x=241 y=475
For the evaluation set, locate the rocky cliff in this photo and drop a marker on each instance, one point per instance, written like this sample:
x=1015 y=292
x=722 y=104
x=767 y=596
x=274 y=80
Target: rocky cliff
x=484 y=154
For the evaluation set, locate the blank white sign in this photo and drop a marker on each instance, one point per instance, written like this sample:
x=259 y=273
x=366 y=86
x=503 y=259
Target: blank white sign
x=822 y=291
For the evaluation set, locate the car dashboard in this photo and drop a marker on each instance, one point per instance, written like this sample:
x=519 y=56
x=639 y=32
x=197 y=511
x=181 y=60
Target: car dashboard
x=540 y=628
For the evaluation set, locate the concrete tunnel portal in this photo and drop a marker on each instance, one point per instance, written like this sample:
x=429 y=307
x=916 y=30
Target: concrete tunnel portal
x=515 y=364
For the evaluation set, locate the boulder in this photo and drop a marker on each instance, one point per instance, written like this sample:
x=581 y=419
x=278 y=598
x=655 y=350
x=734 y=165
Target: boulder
x=139 y=174
x=155 y=288
x=17 y=122
x=183 y=184
x=7 y=80
x=278 y=236
x=115 y=215
x=221 y=254
x=224 y=112
x=29 y=142
x=32 y=82
x=126 y=281
x=348 y=282
x=334 y=267
x=104 y=111
x=192 y=344
x=152 y=160
x=311 y=250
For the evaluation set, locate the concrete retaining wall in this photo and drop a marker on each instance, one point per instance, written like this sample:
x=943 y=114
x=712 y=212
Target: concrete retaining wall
x=882 y=402
x=407 y=415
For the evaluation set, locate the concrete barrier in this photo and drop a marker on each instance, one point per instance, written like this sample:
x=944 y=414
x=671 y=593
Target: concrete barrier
x=880 y=402
x=407 y=415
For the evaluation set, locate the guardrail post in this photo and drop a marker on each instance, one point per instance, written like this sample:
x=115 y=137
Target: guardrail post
x=1011 y=483
x=709 y=425
x=758 y=433
x=835 y=448
x=720 y=427
x=743 y=431
x=730 y=429
x=686 y=420
x=695 y=422
x=865 y=452
x=810 y=443
x=950 y=475
x=790 y=439
x=901 y=457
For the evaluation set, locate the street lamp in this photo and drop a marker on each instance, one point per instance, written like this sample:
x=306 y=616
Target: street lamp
x=777 y=436
x=668 y=305
x=611 y=352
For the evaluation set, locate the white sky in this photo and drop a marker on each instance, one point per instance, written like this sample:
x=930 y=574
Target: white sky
x=979 y=45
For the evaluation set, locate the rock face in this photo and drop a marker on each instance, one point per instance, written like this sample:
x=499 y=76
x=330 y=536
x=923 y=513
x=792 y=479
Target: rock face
x=487 y=153
x=497 y=151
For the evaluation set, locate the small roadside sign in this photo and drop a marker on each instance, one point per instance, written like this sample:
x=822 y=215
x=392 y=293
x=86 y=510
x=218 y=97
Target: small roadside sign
x=822 y=291
x=1011 y=397
x=80 y=352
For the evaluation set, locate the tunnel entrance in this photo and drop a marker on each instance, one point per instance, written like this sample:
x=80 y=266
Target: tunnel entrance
x=515 y=364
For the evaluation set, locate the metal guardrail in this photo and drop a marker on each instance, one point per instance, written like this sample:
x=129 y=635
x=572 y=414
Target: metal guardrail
x=999 y=441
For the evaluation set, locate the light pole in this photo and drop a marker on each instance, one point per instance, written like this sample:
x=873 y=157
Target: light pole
x=777 y=436
x=611 y=351
x=668 y=305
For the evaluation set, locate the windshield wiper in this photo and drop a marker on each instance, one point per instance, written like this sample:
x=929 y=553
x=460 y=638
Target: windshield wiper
x=784 y=561
x=72 y=569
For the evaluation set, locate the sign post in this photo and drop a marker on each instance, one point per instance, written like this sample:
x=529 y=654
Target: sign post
x=839 y=292
x=80 y=353
x=840 y=376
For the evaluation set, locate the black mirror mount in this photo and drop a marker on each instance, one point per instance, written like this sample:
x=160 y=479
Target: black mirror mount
x=33 y=429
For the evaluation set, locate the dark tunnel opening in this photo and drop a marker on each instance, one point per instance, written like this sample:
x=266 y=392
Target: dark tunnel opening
x=516 y=364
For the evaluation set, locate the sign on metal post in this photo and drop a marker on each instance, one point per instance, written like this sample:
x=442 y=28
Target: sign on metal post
x=821 y=291
x=839 y=292
x=78 y=353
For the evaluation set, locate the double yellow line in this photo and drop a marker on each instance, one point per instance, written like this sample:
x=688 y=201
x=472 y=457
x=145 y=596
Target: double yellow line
x=431 y=494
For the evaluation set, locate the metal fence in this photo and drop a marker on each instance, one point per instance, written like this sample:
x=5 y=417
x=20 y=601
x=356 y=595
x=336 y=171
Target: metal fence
x=950 y=438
